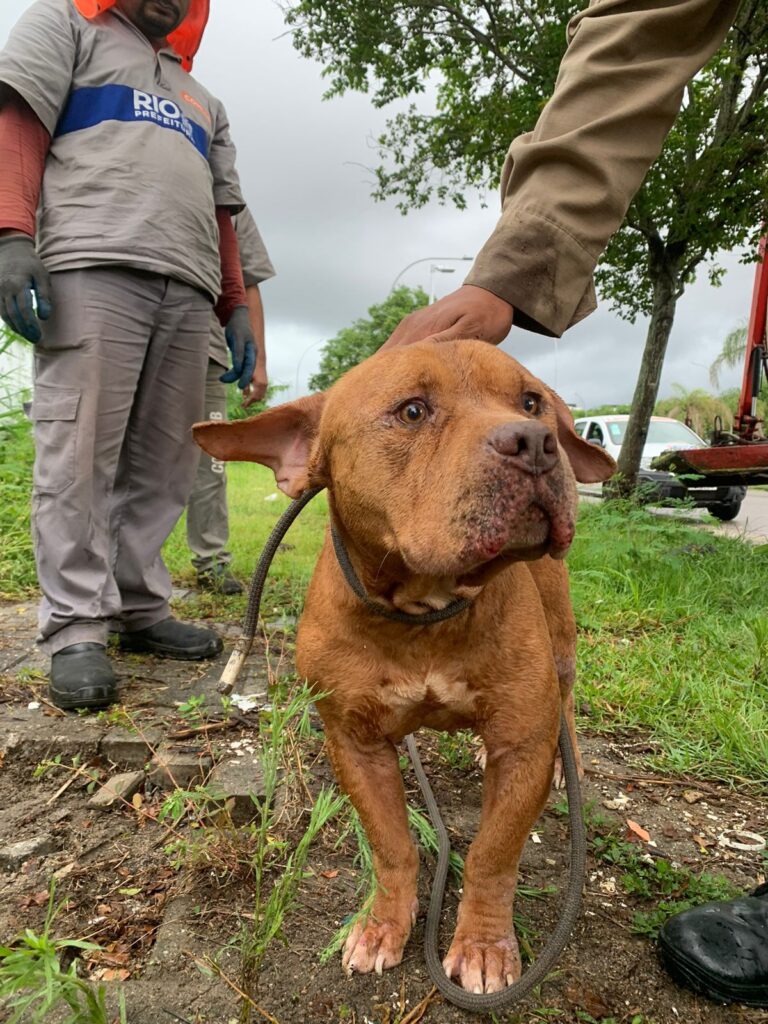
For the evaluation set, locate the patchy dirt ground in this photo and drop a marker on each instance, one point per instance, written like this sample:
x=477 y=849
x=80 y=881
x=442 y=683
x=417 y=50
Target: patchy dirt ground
x=155 y=911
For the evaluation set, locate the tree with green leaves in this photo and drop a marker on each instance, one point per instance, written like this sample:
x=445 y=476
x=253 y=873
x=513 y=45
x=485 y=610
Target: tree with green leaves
x=696 y=408
x=493 y=65
x=732 y=396
x=490 y=63
x=354 y=344
x=731 y=355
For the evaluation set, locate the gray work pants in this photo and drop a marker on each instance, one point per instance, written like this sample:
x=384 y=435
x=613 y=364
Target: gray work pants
x=118 y=384
x=207 y=515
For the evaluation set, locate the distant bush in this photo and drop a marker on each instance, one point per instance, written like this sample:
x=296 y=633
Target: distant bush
x=17 y=565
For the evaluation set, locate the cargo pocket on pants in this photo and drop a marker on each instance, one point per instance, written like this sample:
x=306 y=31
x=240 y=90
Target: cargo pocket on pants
x=54 y=412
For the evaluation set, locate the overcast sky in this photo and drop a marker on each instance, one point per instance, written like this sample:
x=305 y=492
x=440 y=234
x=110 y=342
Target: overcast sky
x=302 y=163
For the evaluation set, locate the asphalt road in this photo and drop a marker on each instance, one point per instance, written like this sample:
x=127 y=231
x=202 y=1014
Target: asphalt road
x=751 y=522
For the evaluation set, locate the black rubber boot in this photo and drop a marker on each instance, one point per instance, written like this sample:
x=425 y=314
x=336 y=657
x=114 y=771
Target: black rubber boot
x=220 y=580
x=173 y=639
x=721 y=949
x=82 y=678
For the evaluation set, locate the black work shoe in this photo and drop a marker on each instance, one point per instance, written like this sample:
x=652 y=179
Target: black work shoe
x=82 y=677
x=220 y=580
x=173 y=639
x=721 y=949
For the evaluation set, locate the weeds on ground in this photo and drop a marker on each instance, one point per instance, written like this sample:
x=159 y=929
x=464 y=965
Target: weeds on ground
x=275 y=870
x=76 y=768
x=668 y=888
x=458 y=749
x=39 y=976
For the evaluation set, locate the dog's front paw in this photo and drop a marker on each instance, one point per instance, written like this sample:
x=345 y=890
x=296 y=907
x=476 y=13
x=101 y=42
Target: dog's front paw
x=481 y=966
x=376 y=945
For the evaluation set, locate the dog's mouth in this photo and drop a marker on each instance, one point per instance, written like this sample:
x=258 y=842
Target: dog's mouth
x=519 y=524
x=497 y=521
x=539 y=534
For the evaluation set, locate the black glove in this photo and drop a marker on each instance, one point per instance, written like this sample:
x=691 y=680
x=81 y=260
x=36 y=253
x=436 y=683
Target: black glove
x=242 y=345
x=21 y=273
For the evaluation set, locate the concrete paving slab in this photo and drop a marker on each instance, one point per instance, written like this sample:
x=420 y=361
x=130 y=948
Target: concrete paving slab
x=16 y=854
x=116 y=791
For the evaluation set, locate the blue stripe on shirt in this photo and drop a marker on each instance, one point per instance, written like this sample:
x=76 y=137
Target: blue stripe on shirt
x=90 y=106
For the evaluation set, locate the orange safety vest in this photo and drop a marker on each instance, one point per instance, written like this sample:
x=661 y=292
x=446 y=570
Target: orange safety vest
x=184 y=40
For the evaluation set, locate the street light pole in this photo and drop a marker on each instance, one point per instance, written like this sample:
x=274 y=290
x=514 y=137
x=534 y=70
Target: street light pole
x=436 y=268
x=430 y=259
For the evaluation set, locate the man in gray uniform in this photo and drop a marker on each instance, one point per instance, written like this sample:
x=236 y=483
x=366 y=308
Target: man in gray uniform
x=136 y=193
x=207 y=514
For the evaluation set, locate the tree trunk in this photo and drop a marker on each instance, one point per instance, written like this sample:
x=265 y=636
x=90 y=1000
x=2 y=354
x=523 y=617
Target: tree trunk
x=665 y=294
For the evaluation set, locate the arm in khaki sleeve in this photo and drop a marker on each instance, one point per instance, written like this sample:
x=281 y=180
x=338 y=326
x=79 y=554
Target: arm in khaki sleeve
x=258 y=388
x=567 y=185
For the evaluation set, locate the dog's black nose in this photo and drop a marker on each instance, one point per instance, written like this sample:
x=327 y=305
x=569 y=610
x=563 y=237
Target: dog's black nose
x=531 y=446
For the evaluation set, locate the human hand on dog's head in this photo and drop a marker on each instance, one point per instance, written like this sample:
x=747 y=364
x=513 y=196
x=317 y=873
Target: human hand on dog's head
x=468 y=312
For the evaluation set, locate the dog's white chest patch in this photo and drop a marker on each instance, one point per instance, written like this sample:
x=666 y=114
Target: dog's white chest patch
x=436 y=690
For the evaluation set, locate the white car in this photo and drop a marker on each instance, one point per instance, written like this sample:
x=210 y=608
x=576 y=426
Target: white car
x=664 y=434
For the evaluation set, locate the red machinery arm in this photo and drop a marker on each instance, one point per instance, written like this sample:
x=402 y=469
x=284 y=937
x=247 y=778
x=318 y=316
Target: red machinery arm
x=747 y=421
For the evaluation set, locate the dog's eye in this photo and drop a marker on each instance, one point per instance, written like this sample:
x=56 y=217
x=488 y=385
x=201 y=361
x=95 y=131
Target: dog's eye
x=412 y=412
x=531 y=403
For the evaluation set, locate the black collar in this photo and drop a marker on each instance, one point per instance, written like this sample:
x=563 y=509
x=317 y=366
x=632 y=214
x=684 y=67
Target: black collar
x=393 y=614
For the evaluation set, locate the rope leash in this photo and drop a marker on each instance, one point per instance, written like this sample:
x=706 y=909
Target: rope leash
x=569 y=914
x=455 y=994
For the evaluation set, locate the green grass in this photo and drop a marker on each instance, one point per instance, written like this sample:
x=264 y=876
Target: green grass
x=673 y=639
x=251 y=520
x=17 y=568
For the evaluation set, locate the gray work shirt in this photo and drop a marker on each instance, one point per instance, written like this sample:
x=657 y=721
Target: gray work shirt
x=140 y=152
x=257 y=267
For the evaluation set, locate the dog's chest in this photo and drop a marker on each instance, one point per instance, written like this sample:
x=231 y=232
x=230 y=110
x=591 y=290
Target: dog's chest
x=436 y=698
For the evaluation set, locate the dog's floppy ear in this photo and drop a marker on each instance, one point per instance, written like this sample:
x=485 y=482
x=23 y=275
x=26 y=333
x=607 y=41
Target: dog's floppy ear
x=590 y=463
x=280 y=438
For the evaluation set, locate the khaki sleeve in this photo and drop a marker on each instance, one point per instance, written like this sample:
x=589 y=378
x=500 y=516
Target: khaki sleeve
x=254 y=258
x=221 y=158
x=39 y=57
x=566 y=185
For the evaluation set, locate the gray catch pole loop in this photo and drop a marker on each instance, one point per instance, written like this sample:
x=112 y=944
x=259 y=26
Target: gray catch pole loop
x=570 y=911
x=569 y=914
x=245 y=640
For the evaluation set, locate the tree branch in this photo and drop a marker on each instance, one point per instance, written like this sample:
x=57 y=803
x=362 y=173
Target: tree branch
x=452 y=14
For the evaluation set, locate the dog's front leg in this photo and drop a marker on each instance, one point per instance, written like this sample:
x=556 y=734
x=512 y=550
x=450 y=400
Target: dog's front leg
x=369 y=773
x=484 y=955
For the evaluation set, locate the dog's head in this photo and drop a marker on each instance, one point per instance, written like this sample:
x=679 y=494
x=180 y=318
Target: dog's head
x=452 y=455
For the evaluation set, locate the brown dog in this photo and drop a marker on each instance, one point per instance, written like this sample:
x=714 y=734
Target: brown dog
x=450 y=470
